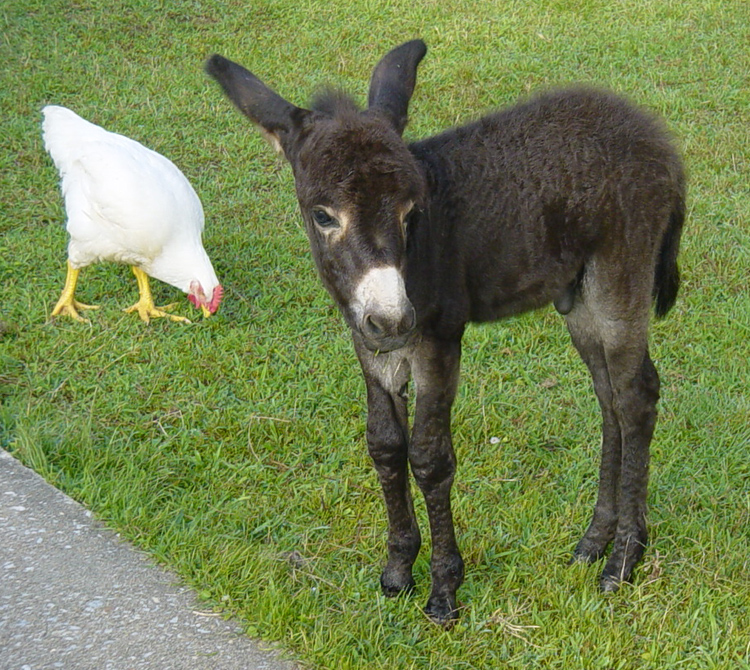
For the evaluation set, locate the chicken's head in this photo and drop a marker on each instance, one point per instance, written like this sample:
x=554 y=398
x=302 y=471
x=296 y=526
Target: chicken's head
x=198 y=297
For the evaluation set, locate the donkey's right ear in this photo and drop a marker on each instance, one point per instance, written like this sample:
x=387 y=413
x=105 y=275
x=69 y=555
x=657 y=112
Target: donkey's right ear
x=278 y=119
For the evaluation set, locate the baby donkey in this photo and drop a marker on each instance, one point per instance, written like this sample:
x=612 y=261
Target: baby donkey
x=573 y=197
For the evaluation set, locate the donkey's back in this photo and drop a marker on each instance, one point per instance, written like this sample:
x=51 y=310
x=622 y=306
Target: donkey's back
x=530 y=195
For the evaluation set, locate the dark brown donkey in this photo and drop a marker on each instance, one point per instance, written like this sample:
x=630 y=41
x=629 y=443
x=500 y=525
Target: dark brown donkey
x=574 y=197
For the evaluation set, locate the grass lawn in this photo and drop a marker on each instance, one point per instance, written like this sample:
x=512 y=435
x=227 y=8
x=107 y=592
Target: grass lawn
x=233 y=449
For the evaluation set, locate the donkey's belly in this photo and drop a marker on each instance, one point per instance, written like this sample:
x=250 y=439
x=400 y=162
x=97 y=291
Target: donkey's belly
x=491 y=305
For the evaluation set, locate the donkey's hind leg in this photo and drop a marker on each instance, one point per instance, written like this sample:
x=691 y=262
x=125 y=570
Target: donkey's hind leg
x=635 y=385
x=614 y=346
x=601 y=530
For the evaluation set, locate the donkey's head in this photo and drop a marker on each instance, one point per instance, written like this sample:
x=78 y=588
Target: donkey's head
x=356 y=183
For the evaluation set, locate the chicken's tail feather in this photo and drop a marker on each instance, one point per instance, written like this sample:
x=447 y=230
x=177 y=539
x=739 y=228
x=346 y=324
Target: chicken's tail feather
x=62 y=131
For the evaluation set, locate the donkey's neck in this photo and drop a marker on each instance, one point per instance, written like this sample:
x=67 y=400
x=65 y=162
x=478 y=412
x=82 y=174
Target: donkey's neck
x=435 y=273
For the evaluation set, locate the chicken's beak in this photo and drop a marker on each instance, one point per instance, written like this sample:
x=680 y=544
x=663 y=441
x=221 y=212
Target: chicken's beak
x=198 y=297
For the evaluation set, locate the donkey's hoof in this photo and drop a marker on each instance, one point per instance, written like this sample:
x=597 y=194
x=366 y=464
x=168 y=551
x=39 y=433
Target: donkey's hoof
x=442 y=611
x=394 y=584
x=626 y=552
x=586 y=555
x=591 y=547
x=609 y=583
x=615 y=574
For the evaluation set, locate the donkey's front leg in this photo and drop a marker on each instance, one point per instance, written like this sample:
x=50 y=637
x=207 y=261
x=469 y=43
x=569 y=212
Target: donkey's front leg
x=386 y=377
x=433 y=462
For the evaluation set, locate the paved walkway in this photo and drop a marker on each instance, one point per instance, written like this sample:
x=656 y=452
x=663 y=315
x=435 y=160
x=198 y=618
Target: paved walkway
x=73 y=595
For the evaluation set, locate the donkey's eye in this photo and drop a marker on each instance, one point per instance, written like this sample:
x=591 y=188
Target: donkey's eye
x=324 y=219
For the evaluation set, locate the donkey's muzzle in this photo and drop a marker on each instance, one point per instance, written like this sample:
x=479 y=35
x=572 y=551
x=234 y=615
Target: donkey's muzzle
x=388 y=331
x=381 y=311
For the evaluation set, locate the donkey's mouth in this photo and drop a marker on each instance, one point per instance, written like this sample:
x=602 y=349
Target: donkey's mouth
x=385 y=345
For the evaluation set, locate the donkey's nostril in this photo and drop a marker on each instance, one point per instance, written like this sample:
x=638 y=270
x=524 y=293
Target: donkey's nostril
x=408 y=322
x=373 y=326
x=381 y=327
x=387 y=331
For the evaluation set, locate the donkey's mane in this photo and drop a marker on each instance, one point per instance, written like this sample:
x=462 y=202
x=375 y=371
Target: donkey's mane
x=334 y=102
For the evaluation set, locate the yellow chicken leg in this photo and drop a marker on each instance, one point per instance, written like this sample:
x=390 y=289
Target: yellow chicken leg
x=67 y=304
x=145 y=305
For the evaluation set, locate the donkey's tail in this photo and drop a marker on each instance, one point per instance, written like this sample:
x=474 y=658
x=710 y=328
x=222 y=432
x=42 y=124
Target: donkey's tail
x=667 y=275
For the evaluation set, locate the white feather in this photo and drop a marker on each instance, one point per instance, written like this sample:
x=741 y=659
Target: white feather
x=126 y=203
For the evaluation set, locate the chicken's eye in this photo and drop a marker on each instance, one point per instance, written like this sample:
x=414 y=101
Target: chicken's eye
x=323 y=219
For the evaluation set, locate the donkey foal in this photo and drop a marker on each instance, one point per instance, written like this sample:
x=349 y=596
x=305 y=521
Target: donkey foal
x=573 y=197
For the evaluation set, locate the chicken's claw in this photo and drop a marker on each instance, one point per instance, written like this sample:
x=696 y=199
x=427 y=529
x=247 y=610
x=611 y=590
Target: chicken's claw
x=147 y=311
x=145 y=306
x=67 y=304
x=70 y=308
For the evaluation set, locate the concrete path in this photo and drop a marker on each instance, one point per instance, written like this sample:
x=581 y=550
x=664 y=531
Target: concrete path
x=73 y=595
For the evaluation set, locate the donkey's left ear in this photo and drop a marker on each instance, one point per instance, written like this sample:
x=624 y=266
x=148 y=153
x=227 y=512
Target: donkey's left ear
x=393 y=80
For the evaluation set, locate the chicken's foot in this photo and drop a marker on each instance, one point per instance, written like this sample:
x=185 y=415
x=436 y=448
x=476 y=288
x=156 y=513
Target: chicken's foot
x=67 y=304
x=145 y=306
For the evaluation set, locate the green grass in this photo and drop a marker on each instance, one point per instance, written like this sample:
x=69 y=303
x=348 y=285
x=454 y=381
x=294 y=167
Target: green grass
x=233 y=449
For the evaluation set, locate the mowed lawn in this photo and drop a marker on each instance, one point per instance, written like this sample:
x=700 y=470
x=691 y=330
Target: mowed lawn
x=233 y=449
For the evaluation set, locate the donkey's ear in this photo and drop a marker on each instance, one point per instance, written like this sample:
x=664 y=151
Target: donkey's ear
x=393 y=82
x=278 y=119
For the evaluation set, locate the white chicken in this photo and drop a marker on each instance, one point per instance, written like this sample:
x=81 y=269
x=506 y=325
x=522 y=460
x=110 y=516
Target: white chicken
x=128 y=204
